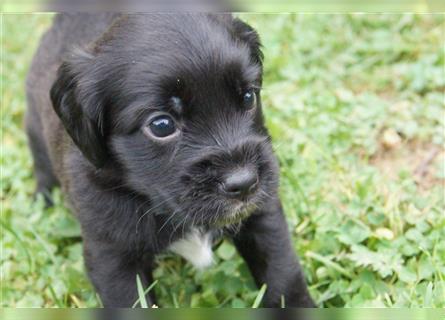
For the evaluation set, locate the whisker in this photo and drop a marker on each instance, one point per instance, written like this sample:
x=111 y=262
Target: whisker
x=168 y=220
x=150 y=210
x=176 y=228
x=183 y=226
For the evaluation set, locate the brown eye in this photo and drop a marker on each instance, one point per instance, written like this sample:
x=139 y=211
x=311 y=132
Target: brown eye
x=249 y=99
x=162 y=126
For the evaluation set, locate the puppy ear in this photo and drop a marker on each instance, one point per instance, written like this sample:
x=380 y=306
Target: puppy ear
x=76 y=102
x=248 y=35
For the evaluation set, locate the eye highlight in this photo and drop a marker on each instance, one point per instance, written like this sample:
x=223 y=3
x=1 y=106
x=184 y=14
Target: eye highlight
x=162 y=126
x=249 y=99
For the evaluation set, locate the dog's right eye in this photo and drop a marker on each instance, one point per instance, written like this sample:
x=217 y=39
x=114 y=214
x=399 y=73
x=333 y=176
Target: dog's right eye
x=162 y=126
x=249 y=99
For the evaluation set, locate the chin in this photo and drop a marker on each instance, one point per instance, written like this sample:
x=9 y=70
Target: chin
x=235 y=214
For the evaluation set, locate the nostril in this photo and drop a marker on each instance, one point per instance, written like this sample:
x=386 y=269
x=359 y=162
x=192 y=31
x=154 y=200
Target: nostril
x=233 y=189
x=240 y=182
x=244 y=186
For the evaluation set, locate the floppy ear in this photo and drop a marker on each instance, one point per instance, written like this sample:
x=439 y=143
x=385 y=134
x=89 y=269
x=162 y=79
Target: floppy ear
x=76 y=101
x=248 y=35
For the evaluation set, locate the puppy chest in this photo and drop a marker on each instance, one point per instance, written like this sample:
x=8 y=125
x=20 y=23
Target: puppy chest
x=195 y=247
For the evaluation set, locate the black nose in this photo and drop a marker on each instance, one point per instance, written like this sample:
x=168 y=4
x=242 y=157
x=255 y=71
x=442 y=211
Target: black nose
x=240 y=183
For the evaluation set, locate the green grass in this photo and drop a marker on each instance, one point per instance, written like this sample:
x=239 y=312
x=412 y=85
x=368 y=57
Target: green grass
x=355 y=104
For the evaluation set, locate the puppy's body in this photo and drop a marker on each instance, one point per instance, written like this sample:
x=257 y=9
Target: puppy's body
x=152 y=125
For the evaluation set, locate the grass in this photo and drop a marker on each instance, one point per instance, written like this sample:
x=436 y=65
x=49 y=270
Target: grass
x=355 y=104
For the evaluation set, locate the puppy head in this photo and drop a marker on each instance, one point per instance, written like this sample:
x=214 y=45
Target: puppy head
x=174 y=100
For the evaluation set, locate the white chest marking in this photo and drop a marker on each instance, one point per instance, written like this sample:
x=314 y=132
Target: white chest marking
x=196 y=248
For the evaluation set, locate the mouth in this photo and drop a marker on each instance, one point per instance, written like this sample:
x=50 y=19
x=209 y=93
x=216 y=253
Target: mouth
x=218 y=200
x=236 y=214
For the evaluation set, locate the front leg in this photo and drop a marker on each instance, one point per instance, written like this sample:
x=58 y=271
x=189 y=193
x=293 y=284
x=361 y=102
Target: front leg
x=264 y=243
x=113 y=273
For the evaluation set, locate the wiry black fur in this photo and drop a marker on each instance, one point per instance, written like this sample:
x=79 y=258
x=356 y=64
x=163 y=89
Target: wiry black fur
x=133 y=195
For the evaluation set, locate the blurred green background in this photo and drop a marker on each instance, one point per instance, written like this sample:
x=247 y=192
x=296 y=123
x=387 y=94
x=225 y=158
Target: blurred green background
x=355 y=105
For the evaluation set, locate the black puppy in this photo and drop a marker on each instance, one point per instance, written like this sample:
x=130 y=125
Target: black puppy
x=152 y=125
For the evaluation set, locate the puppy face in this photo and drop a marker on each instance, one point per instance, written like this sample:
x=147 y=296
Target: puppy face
x=174 y=101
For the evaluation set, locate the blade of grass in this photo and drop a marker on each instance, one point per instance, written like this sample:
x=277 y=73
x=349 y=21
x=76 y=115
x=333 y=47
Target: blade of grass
x=45 y=247
x=142 y=294
x=328 y=263
x=21 y=244
x=142 y=299
x=76 y=301
x=175 y=300
x=427 y=301
x=101 y=305
x=222 y=304
x=259 y=297
x=283 y=302
x=58 y=303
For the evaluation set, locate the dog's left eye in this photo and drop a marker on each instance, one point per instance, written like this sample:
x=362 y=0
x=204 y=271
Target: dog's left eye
x=162 y=126
x=249 y=99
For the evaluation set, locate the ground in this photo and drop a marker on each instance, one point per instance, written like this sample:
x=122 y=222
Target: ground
x=355 y=105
